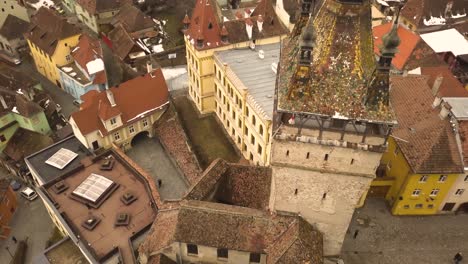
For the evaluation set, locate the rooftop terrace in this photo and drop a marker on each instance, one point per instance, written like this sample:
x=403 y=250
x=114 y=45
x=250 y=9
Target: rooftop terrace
x=342 y=64
x=100 y=224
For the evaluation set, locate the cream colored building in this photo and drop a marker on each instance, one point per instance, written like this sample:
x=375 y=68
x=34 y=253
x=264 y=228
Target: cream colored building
x=12 y=7
x=244 y=95
x=120 y=113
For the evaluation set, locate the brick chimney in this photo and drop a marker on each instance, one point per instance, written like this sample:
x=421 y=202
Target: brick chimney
x=110 y=97
x=436 y=86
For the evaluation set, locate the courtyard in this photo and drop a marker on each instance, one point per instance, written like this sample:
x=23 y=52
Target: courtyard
x=152 y=157
x=385 y=239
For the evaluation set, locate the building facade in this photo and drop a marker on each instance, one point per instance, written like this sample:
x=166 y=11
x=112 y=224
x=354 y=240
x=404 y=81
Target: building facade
x=87 y=71
x=329 y=136
x=94 y=13
x=50 y=39
x=14 y=8
x=118 y=114
x=8 y=205
x=11 y=35
x=207 y=32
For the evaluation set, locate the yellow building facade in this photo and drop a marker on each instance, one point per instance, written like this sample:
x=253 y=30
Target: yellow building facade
x=50 y=39
x=413 y=193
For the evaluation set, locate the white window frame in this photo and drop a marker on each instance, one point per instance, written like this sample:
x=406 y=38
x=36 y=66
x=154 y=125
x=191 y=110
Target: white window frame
x=423 y=178
x=117 y=136
x=113 y=121
x=434 y=192
x=131 y=129
x=459 y=192
x=416 y=192
x=145 y=122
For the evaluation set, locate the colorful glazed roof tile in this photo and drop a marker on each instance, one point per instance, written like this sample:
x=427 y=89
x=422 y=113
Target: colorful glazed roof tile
x=342 y=63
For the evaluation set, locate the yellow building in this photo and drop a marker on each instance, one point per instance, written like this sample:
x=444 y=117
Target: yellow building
x=209 y=30
x=422 y=161
x=50 y=39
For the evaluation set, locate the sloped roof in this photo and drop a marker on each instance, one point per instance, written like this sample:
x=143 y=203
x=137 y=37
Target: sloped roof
x=24 y=143
x=427 y=142
x=89 y=49
x=207 y=21
x=13 y=27
x=25 y=107
x=449 y=40
x=463 y=130
x=450 y=86
x=122 y=42
x=423 y=56
x=133 y=19
x=97 y=6
x=417 y=10
x=409 y=40
x=234 y=228
x=134 y=99
x=47 y=28
x=241 y=185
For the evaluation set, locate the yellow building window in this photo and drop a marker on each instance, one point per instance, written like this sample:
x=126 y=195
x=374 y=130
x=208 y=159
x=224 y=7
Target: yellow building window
x=434 y=192
x=261 y=130
x=259 y=150
x=423 y=178
x=418 y=206
x=416 y=192
x=442 y=178
x=459 y=192
x=254 y=121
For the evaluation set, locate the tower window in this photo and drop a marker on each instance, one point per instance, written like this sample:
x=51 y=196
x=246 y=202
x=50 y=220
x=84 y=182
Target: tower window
x=352 y=161
x=287 y=153
x=308 y=154
x=326 y=157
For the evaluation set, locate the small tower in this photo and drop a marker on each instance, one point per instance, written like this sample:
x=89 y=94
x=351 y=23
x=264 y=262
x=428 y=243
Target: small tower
x=186 y=22
x=378 y=89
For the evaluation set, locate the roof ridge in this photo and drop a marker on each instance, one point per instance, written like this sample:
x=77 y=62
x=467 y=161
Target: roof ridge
x=294 y=223
x=198 y=205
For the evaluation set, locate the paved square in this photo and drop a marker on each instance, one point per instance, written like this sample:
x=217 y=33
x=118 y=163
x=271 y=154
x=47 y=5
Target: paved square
x=386 y=239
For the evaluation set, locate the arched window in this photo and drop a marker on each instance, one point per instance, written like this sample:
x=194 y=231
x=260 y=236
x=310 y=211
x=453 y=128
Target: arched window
x=261 y=130
x=254 y=121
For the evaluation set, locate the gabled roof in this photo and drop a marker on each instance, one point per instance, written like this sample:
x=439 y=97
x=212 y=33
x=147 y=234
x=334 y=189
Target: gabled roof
x=47 y=28
x=409 y=40
x=235 y=228
x=450 y=86
x=13 y=27
x=122 y=42
x=89 y=49
x=208 y=19
x=134 y=100
x=25 y=107
x=427 y=141
x=133 y=19
x=423 y=56
x=416 y=11
x=25 y=142
x=98 y=6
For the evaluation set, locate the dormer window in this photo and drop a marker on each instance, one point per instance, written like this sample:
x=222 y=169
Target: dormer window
x=254 y=258
x=113 y=121
x=192 y=249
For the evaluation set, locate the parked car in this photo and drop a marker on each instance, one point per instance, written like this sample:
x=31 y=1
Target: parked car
x=29 y=194
x=15 y=185
x=9 y=59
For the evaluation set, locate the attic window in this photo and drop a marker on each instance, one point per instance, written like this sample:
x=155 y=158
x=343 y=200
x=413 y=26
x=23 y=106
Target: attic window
x=122 y=219
x=210 y=25
x=254 y=258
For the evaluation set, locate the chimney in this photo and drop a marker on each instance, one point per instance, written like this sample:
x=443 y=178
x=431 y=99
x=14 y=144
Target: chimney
x=110 y=97
x=149 y=67
x=260 y=23
x=436 y=85
x=249 y=27
x=247 y=12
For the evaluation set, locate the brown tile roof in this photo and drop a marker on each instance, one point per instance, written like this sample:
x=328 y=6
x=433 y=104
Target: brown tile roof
x=98 y=6
x=409 y=40
x=417 y=10
x=24 y=143
x=13 y=80
x=13 y=27
x=143 y=94
x=450 y=86
x=25 y=107
x=133 y=19
x=240 y=185
x=89 y=49
x=47 y=28
x=463 y=130
x=427 y=142
x=423 y=56
x=206 y=23
x=235 y=228
x=122 y=42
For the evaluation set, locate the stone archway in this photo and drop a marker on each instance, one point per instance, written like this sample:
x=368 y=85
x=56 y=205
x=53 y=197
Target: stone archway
x=140 y=137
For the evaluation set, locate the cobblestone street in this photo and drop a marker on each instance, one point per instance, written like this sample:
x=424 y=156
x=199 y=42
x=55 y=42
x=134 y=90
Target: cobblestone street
x=386 y=239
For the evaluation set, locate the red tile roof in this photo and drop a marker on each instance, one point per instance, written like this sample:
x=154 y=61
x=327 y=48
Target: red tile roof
x=463 y=129
x=409 y=40
x=143 y=94
x=450 y=86
x=88 y=49
x=427 y=141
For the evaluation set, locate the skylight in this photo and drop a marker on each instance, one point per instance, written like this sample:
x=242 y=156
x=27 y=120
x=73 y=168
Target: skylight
x=93 y=187
x=61 y=158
